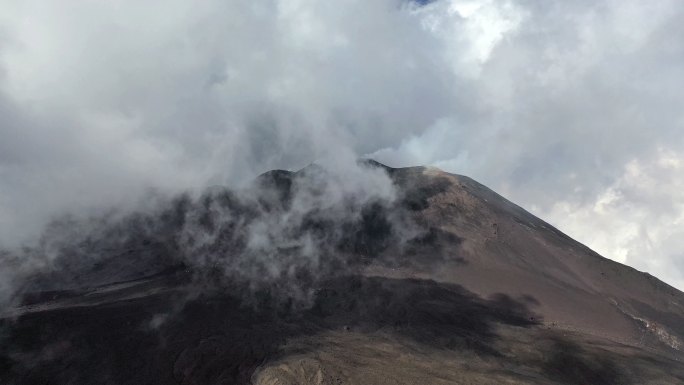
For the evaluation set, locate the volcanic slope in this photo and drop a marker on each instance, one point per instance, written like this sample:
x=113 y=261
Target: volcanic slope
x=448 y=284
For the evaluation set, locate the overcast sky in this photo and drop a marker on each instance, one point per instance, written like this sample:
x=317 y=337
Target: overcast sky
x=572 y=109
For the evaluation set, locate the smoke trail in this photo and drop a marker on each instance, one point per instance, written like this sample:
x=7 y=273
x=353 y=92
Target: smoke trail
x=278 y=236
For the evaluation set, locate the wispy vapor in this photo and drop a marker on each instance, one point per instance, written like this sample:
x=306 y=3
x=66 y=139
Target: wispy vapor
x=277 y=237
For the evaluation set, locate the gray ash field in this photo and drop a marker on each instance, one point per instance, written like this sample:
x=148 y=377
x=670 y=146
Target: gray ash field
x=445 y=283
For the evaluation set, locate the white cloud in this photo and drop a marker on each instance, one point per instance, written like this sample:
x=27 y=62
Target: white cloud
x=548 y=102
x=638 y=219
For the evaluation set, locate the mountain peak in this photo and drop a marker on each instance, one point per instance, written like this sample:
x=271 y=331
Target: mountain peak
x=255 y=286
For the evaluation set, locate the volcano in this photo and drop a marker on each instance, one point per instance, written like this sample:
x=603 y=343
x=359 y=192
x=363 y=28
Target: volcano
x=447 y=283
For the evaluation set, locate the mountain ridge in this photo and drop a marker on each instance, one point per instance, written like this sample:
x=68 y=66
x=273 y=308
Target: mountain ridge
x=445 y=281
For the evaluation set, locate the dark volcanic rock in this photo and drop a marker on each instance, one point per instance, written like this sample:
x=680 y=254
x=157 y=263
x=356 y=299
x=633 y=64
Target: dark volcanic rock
x=446 y=283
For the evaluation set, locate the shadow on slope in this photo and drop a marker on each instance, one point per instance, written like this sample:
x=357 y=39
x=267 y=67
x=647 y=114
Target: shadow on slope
x=568 y=363
x=216 y=338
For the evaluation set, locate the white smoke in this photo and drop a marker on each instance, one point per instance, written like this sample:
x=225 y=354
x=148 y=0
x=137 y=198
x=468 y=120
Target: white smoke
x=278 y=236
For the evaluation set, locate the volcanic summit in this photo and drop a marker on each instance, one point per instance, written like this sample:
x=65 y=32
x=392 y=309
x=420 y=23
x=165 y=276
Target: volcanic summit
x=447 y=282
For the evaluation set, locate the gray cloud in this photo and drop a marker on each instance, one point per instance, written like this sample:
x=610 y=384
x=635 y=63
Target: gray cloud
x=548 y=102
